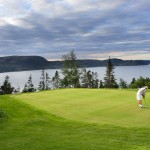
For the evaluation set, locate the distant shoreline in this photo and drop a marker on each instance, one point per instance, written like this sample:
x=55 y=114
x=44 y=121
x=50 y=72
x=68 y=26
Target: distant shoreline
x=27 y=63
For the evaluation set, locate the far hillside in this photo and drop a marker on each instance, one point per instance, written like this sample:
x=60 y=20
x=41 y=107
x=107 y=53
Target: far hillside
x=23 y=63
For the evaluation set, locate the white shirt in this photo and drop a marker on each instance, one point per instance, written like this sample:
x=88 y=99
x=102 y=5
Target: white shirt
x=142 y=91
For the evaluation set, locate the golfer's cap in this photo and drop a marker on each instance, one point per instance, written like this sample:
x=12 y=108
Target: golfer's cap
x=146 y=87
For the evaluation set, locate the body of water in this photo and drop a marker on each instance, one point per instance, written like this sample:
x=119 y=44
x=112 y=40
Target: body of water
x=18 y=79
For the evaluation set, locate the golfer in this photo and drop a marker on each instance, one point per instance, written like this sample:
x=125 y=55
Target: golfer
x=140 y=95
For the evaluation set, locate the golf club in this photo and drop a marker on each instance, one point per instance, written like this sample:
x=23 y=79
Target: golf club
x=145 y=102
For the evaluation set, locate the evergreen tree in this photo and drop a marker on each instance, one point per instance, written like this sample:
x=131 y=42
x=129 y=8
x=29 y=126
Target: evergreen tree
x=56 y=80
x=133 y=81
x=109 y=79
x=25 y=89
x=84 y=79
x=29 y=87
x=17 y=90
x=45 y=81
x=70 y=70
x=89 y=79
x=123 y=84
x=101 y=84
x=95 y=81
x=6 y=88
x=42 y=82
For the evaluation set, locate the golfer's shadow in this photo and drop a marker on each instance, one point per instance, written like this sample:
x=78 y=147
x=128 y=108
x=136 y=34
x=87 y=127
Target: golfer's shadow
x=146 y=107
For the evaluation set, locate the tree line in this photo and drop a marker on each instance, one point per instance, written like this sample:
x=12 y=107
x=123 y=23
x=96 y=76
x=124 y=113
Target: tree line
x=75 y=77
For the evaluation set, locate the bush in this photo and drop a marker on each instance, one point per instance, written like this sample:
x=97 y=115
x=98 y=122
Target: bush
x=136 y=83
x=3 y=115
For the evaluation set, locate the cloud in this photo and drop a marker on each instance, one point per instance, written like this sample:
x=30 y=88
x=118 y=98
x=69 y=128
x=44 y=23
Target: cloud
x=122 y=55
x=91 y=27
x=14 y=8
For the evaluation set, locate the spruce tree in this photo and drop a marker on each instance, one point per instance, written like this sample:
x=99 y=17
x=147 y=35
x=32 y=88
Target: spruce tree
x=6 y=88
x=56 y=80
x=45 y=81
x=42 y=82
x=25 y=89
x=95 y=81
x=84 y=79
x=109 y=79
x=122 y=83
x=90 y=79
x=29 y=87
x=101 y=85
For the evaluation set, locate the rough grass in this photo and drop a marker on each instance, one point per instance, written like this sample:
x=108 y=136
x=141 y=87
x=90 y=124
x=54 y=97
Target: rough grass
x=3 y=115
x=30 y=126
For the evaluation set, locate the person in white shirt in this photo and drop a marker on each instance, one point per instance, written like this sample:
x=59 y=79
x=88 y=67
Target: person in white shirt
x=140 y=95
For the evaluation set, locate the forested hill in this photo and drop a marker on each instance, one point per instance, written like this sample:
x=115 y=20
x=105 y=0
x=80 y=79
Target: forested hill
x=23 y=63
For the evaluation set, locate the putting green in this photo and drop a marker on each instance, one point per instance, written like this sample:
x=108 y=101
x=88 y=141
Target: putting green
x=101 y=106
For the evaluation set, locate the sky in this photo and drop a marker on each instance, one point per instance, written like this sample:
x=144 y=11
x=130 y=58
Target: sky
x=94 y=29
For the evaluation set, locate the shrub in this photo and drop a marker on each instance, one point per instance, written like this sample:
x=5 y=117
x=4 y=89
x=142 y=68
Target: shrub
x=140 y=82
x=3 y=115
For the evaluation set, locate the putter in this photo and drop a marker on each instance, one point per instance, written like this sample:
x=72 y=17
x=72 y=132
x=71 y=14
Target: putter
x=145 y=102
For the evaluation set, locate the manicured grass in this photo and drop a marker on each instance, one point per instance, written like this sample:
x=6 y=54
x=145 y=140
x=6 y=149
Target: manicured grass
x=115 y=107
x=31 y=126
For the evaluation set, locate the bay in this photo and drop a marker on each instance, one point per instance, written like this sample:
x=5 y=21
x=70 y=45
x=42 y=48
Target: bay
x=18 y=79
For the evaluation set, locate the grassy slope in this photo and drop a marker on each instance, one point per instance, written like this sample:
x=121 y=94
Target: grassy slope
x=30 y=128
x=116 y=107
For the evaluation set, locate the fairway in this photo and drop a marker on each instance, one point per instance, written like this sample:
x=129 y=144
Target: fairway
x=101 y=106
x=74 y=119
